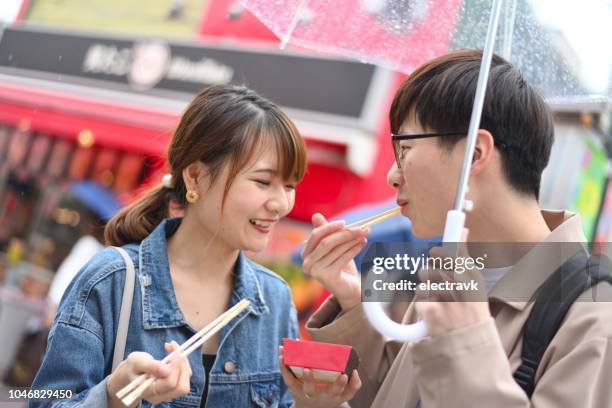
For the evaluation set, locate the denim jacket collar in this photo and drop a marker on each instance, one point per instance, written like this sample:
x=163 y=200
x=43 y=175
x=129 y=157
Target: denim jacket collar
x=159 y=305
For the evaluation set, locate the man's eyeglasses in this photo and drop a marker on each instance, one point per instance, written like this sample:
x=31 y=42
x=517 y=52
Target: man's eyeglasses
x=400 y=153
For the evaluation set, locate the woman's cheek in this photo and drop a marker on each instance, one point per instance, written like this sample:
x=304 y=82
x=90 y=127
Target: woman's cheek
x=291 y=201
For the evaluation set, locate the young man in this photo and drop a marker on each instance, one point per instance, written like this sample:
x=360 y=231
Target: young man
x=473 y=348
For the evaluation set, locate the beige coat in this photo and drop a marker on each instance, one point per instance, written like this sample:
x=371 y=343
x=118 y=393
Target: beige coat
x=472 y=367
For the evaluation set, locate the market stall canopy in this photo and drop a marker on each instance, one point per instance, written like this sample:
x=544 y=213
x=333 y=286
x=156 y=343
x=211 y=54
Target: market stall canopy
x=97 y=198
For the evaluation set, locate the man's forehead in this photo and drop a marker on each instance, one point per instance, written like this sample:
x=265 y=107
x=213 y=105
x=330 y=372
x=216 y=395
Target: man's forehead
x=411 y=125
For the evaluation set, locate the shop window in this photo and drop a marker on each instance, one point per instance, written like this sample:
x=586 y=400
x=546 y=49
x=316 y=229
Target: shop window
x=18 y=148
x=103 y=171
x=38 y=154
x=128 y=172
x=81 y=163
x=60 y=155
x=5 y=135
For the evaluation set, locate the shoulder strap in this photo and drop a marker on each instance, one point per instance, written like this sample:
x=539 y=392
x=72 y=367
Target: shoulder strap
x=126 y=308
x=553 y=300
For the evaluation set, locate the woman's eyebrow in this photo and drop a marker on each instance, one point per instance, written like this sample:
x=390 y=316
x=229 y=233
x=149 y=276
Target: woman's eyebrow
x=266 y=170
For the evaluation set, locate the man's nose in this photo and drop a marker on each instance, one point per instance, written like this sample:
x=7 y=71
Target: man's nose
x=394 y=177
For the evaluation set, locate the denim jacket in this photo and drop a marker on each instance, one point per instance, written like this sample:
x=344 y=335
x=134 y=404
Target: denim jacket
x=81 y=341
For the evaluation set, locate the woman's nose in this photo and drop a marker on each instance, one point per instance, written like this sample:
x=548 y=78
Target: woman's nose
x=279 y=203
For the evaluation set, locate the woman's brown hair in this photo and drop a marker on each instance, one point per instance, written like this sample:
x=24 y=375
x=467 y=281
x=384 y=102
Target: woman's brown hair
x=223 y=125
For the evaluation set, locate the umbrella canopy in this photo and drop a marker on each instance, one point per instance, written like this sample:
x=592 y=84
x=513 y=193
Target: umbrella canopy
x=403 y=34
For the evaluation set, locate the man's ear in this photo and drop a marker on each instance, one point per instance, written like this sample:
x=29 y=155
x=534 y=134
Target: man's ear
x=483 y=152
x=194 y=175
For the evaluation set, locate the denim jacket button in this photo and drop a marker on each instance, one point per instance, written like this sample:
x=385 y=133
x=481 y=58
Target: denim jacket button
x=229 y=367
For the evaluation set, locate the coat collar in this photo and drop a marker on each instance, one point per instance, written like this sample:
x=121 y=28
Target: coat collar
x=518 y=287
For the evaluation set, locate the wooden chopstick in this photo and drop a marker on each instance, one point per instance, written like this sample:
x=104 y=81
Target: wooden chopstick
x=141 y=378
x=374 y=219
x=221 y=321
x=131 y=392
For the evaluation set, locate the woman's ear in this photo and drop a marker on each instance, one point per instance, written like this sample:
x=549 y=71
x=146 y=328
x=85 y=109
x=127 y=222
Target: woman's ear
x=483 y=151
x=194 y=175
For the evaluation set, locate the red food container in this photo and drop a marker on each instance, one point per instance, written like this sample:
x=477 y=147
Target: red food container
x=327 y=361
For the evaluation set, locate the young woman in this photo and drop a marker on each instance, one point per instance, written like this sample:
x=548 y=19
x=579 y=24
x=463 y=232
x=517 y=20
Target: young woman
x=235 y=159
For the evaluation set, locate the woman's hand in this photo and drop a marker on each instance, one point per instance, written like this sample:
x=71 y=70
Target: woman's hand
x=172 y=379
x=308 y=394
x=328 y=257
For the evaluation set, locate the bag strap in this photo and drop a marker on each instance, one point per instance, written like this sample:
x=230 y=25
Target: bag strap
x=553 y=301
x=126 y=308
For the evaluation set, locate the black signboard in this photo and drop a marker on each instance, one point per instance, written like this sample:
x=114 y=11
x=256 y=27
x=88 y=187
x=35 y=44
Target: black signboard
x=175 y=70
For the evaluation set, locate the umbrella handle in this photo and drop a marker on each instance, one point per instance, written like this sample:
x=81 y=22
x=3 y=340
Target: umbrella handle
x=455 y=221
x=387 y=327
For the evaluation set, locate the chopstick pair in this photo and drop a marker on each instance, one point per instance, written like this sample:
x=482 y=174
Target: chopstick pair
x=134 y=390
x=375 y=219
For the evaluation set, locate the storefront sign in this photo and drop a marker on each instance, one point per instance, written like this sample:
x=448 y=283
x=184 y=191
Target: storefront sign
x=179 y=70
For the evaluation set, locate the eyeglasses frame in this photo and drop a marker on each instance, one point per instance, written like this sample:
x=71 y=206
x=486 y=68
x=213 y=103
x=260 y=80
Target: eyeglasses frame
x=396 y=138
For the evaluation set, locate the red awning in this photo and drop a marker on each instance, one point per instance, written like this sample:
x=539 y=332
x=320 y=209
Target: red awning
x=113 y=124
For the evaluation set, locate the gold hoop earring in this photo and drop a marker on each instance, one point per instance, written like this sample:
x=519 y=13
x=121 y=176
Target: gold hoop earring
x=192 y=196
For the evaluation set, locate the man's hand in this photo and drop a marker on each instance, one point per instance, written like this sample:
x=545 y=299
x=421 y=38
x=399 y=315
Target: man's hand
x=445 y=311
x=328 y=257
